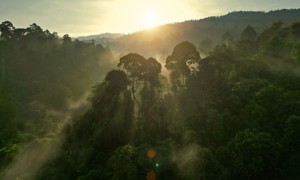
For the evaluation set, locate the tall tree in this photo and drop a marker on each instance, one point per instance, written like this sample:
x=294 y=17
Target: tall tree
x=151 y=70
x=134 y=64
x=183 y=56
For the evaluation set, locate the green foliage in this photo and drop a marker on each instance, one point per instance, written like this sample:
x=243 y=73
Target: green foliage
x=133 y=63
x=296 y=53
x=117 y=81
x=255 y=155
x=123 y=163
x=140 y=68
x=291 y=140
x=152 y=68
x=183 y=55
x=8 y=116
x=41 y=75
x=236 y=117
x=180 y=62
x=6 y=29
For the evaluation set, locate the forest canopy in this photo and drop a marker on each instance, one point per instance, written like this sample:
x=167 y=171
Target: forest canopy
x=234 y=114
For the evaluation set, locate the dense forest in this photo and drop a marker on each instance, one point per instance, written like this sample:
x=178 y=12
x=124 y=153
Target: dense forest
x=234 y=114
x=43 y=77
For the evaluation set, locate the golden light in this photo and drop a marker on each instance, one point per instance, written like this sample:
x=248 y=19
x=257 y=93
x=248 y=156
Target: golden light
x=135 y=15
x=150 y=20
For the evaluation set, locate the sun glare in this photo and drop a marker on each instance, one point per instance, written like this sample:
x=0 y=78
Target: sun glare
x=150 y=20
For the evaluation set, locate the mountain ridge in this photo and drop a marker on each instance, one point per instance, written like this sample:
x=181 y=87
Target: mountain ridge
x=198 y=31
x=228 y=16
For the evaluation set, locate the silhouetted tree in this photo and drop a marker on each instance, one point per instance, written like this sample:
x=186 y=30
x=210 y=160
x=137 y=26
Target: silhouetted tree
x=183 y=55
x=151 y=70
x=7 y=30
x=66 y=38
x=117 y=81
x=133 y=63
x=34 y=28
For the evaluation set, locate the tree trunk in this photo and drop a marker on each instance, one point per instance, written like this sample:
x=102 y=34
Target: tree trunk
x=134 y=98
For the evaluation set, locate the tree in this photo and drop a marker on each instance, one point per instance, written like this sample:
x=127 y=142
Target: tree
x=269 y=33
x=133 y=63
x=19 y=33
x=181 y=59
x=249 y=34
x=123 y=164
x=7 y=30
x=34 y=28
x=117 y=81
x=254 y=155
x=292 y=144
x=247 y=45
x=66 y=38
x=151 y=70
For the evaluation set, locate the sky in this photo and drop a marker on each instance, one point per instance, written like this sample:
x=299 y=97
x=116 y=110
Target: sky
x=87 y=17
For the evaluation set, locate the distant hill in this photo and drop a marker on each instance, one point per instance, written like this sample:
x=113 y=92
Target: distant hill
x=103 y=39
x=207 y=32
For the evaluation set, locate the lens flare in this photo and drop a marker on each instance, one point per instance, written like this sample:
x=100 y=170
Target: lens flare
x=151 y=153
x=157 y=165
x=151 y=175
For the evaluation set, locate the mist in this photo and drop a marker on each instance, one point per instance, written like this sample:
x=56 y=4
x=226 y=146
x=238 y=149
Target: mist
x=35 y=154
x=216 y=98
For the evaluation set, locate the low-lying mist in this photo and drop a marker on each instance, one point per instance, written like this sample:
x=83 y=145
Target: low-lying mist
x=35 y=154
x=224 y=105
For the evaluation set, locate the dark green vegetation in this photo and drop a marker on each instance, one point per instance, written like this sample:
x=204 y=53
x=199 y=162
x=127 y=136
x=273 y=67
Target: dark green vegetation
x=41 y=76
x=234 y=114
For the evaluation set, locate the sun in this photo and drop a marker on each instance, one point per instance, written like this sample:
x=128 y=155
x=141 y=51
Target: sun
x=150 y=20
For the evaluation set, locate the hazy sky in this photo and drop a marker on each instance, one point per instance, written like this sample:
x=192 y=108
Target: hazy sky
x=84 y=17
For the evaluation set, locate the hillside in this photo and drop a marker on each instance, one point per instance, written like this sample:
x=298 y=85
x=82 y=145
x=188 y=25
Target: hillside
x=104 y=39
x=204 y=33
